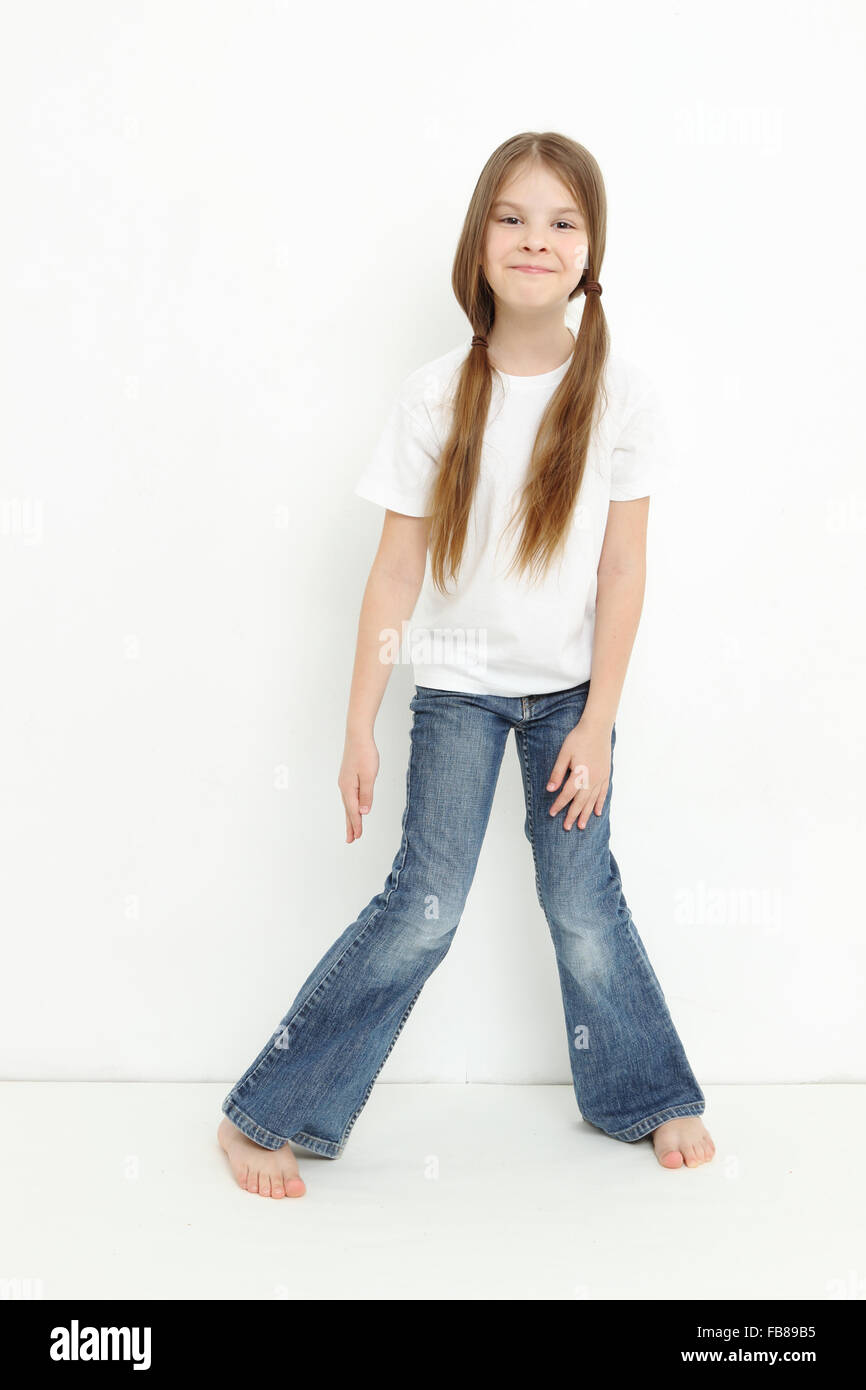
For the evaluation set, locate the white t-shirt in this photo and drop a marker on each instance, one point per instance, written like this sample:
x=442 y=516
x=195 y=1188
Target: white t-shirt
x=492 y=633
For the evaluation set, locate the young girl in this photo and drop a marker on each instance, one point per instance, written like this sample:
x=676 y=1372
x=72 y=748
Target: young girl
x=514 y=472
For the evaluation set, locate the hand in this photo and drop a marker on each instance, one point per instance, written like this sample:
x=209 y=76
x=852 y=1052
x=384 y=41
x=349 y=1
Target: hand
x=357 y=775
x=584 y=762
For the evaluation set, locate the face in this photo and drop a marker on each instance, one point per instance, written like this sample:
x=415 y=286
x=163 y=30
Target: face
x=535 y=222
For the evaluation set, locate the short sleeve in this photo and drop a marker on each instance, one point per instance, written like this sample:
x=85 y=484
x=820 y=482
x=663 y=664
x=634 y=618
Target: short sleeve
x=400 y=469
x=642 y=459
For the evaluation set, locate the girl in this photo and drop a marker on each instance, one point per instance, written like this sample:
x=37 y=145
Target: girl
x=514 y=472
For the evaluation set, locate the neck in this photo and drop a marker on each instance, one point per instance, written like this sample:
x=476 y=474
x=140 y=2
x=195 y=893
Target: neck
x=528 y=345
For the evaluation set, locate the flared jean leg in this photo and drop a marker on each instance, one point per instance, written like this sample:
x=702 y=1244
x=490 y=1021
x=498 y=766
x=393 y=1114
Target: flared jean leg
x=315 y=1072
x=629 y=1068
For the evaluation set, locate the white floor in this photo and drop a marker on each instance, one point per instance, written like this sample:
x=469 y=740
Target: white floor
x=120 y=1190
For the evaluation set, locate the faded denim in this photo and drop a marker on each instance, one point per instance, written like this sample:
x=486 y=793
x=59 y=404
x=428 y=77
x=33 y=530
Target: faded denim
x=315 y=1073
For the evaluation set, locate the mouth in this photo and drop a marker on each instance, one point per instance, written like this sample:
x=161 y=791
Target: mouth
x=531 y=269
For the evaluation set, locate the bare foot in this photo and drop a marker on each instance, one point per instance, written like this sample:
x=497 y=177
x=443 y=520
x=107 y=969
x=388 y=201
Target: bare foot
x=269 y=1172
x=683 y=1141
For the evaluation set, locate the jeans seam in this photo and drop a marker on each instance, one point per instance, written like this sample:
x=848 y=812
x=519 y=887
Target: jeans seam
x=527 y=784
x=353 y=1118
x=641 y=1128
x=649 y=971
x=324 y=1148
x=327 y=1148
x=349 y=1127
x=527 y=781
x=296 y=1018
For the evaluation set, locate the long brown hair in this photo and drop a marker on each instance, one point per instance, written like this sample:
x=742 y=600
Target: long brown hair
x=559 y=454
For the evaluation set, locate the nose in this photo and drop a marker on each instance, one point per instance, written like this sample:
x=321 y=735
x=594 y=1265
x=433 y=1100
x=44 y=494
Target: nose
x=533 y=245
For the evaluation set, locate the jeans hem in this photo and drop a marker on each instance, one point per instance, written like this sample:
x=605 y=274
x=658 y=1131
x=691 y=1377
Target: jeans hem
x=266 y=1139
x=643 y=1127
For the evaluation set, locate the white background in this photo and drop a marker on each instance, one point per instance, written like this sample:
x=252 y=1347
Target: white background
x=227 y=236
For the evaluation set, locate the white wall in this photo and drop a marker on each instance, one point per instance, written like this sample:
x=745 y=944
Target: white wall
x=229 y=237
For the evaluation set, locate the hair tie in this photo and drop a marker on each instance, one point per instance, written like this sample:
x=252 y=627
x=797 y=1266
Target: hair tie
x=592 y=287
x=478 y=340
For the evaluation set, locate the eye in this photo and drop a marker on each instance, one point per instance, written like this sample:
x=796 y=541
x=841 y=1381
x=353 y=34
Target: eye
x=510 y=217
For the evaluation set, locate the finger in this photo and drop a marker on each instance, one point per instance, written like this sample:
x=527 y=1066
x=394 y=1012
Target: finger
x=580 y=807
x=574 y=810
x=350 y=801
x=575 y=783
x=365 y=796
x=569 y=788
x=586 y=809
x=559 y=770
x=601 y=799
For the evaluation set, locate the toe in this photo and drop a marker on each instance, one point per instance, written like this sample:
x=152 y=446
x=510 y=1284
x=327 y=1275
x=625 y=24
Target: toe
x=252 y=1181
x=277 y=1189
x=671 y=1158
x=264 y=1185
x=294 y=1185
x=242 y=1174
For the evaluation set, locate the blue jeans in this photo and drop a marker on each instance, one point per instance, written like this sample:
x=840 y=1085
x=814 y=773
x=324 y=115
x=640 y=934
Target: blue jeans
x=315 y=1073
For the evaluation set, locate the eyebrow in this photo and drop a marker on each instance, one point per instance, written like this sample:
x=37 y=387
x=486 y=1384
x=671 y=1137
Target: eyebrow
x=504 y=203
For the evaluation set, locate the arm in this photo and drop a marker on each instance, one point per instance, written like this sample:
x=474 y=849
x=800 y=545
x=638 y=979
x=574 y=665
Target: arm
x=619 y=601
x=390 y=596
